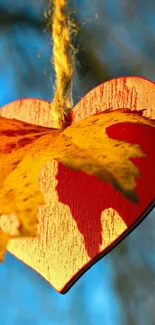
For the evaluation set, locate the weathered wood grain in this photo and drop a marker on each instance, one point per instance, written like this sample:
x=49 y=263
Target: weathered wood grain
x=83 y=217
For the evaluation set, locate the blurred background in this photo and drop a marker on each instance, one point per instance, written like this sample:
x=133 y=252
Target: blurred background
x=113 y=38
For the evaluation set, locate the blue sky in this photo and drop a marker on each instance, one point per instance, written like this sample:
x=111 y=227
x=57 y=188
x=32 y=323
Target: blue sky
x=24 y=296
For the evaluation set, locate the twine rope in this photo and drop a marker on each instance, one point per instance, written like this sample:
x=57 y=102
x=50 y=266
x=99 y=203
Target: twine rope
x=62 y=61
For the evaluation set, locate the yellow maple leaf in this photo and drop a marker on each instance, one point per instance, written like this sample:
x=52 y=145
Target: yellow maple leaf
x=84 y=145
x=87 y=147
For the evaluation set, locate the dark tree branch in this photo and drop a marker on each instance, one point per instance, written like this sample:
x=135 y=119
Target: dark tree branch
x=20 y=17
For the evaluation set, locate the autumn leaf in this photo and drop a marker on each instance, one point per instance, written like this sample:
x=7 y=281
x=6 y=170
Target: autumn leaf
x=18 y=141
x=87 y=147
x=84 y=145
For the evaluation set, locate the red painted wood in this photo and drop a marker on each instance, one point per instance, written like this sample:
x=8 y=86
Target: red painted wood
x=84 y=217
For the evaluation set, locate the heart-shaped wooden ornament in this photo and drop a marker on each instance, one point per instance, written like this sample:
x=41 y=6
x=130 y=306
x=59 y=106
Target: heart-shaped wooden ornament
x=84 y=218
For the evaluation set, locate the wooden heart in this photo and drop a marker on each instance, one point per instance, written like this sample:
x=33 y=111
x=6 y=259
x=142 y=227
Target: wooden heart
x=84 y=218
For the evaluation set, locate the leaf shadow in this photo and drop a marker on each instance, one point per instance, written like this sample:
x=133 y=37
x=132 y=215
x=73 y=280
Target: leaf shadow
x=87 y=196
